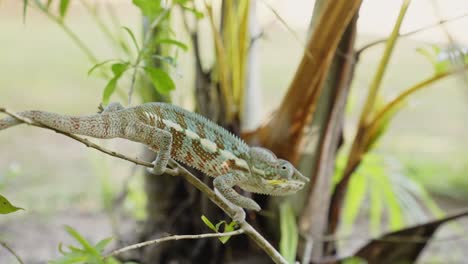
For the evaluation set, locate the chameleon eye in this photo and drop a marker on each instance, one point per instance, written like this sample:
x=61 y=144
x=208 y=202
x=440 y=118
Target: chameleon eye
x=285 y=169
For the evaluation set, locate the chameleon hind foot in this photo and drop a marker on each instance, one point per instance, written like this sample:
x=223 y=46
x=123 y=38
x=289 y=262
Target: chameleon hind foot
x=111 y=107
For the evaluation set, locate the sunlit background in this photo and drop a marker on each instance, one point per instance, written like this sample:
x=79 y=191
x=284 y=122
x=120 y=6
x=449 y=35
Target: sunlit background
x=61 y=182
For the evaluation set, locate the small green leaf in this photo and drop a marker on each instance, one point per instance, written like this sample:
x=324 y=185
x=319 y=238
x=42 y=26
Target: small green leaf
x=354 y=260
x=63 y=7
x=6 y=207
x=208 y=223
x=80 y=239
x=173 y=42
x=149 y=8
x=218 y=225
x=442 y=66
x=354 y=198
x=198 y=14
x=428 y=54
x=132 y=36
x=432 y=53
x=161 y=80
x=95 y=66
x=101 y=245
x=119 y=68
x=109 y=90
x=289 y=233
x=227 y=228
x=86 y=254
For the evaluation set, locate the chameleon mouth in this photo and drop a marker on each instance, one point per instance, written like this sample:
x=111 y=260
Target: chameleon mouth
x=282 y=187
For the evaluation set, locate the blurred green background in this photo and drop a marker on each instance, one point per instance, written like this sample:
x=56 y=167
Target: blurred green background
x=60 y=181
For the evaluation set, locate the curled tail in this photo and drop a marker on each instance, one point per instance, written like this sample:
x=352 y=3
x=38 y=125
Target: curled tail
x=99 y=126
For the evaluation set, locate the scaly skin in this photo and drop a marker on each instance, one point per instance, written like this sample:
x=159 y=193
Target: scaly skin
x=173 y=132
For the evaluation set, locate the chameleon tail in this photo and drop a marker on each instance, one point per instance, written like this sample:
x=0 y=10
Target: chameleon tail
x=8 y=122
x=100 y=126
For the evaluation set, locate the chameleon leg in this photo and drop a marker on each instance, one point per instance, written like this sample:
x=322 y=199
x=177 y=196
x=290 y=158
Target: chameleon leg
x=158 y=140
x=224 y=184
x=113 y=107
x=239 y=213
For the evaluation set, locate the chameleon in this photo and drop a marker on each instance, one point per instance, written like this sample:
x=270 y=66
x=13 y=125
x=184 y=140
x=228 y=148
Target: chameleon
x=187 y=137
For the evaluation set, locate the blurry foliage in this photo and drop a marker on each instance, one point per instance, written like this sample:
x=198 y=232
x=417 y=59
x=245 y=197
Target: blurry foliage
x=444 y=60
x=13 y=170
x=392 y=195
x=136 y=200
x=439 y=178
x=289 y=232
x=88 y=253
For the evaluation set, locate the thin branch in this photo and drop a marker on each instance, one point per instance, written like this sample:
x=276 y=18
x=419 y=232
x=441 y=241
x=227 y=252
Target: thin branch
x=99 y=21
x=438 y=23
x=9 y=249
x=146 y=45
x=171 y=238
x=177 y=170
x=401 y=97
x=298 y=39
x=69 y=32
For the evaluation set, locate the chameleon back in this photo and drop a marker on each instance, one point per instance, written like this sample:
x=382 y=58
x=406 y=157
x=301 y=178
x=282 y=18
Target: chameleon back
x=197 y=141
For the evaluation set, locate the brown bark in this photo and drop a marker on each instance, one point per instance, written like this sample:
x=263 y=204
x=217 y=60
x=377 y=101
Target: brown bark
x=313 y=220
x=284 y=133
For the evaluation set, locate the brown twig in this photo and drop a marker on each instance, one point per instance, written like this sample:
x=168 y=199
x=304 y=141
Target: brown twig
x=380 y=115
x=438 y=23
x=177 y=170
x=171 y=238
x=9 y=249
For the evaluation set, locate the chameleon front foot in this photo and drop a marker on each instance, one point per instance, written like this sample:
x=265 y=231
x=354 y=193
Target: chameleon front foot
x=239 y=213
x=224 y=185
x=159 y=167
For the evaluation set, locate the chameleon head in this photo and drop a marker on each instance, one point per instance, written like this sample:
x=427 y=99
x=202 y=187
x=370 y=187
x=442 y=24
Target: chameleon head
x=273 y=176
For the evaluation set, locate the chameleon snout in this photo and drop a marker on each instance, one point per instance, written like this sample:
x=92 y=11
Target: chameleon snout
x=298 y=176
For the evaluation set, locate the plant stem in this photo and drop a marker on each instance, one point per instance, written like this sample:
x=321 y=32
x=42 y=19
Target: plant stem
x=431 y=26
x=170 y=238
x=375 y=85
x=401 y=97
x=5 y=245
